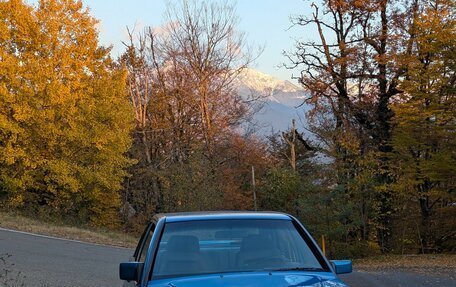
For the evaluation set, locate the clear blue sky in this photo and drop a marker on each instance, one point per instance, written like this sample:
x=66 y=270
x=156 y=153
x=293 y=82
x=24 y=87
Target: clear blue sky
x=264 y=21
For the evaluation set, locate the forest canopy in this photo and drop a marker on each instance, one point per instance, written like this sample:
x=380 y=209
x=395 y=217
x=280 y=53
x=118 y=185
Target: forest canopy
x=162 y=128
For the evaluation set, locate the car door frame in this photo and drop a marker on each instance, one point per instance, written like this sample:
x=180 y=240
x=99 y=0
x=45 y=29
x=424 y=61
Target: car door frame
x=139 y=248
x=313 y=245
x=141 y=242
x=152 y=251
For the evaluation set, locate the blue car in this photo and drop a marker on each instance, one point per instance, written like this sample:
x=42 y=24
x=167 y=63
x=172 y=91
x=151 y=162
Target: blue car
x=229 y=249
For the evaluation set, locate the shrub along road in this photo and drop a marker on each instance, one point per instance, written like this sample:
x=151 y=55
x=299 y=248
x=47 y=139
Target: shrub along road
x=49 y=262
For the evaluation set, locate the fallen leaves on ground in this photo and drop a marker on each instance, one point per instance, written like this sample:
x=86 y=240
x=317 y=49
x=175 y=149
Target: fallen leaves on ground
x=105 y=237
x=425 y=264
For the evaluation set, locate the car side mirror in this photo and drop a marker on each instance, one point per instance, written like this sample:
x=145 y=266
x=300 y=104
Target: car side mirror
x=130 y=271
x=342 y=266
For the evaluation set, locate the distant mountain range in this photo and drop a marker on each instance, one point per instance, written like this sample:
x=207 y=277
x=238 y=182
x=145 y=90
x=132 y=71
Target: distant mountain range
x=281 y=101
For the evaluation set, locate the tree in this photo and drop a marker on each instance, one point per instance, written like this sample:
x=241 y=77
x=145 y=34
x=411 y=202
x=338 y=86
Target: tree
x=280 y=190
x=352 y=75
x=372 y=60
x=425 y=124
x=64 y=115
x=180 y=79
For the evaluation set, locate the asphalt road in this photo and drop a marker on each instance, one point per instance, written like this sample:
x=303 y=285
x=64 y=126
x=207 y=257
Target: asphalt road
x=47 y=262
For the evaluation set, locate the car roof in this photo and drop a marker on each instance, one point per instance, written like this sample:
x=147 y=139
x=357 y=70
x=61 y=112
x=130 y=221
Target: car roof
x=221 y=215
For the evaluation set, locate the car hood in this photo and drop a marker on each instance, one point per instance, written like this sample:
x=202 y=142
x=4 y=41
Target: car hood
x=254 y=279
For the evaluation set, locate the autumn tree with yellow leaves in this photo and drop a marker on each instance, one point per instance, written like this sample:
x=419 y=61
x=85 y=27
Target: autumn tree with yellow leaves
x=64 y=114
x=424 y=135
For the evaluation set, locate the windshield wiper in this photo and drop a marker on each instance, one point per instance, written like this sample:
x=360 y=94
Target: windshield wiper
x=308 y=269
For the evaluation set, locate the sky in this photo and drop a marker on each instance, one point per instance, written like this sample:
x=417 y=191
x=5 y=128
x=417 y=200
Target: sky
x=265 y=22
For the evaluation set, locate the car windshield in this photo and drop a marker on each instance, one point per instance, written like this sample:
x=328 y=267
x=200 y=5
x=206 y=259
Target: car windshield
x=221 y=246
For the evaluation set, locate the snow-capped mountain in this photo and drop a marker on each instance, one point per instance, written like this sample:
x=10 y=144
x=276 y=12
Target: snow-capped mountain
x=282 y=101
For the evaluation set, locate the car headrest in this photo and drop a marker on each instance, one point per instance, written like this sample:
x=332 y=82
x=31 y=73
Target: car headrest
x=255 y=242
x=183 y=243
